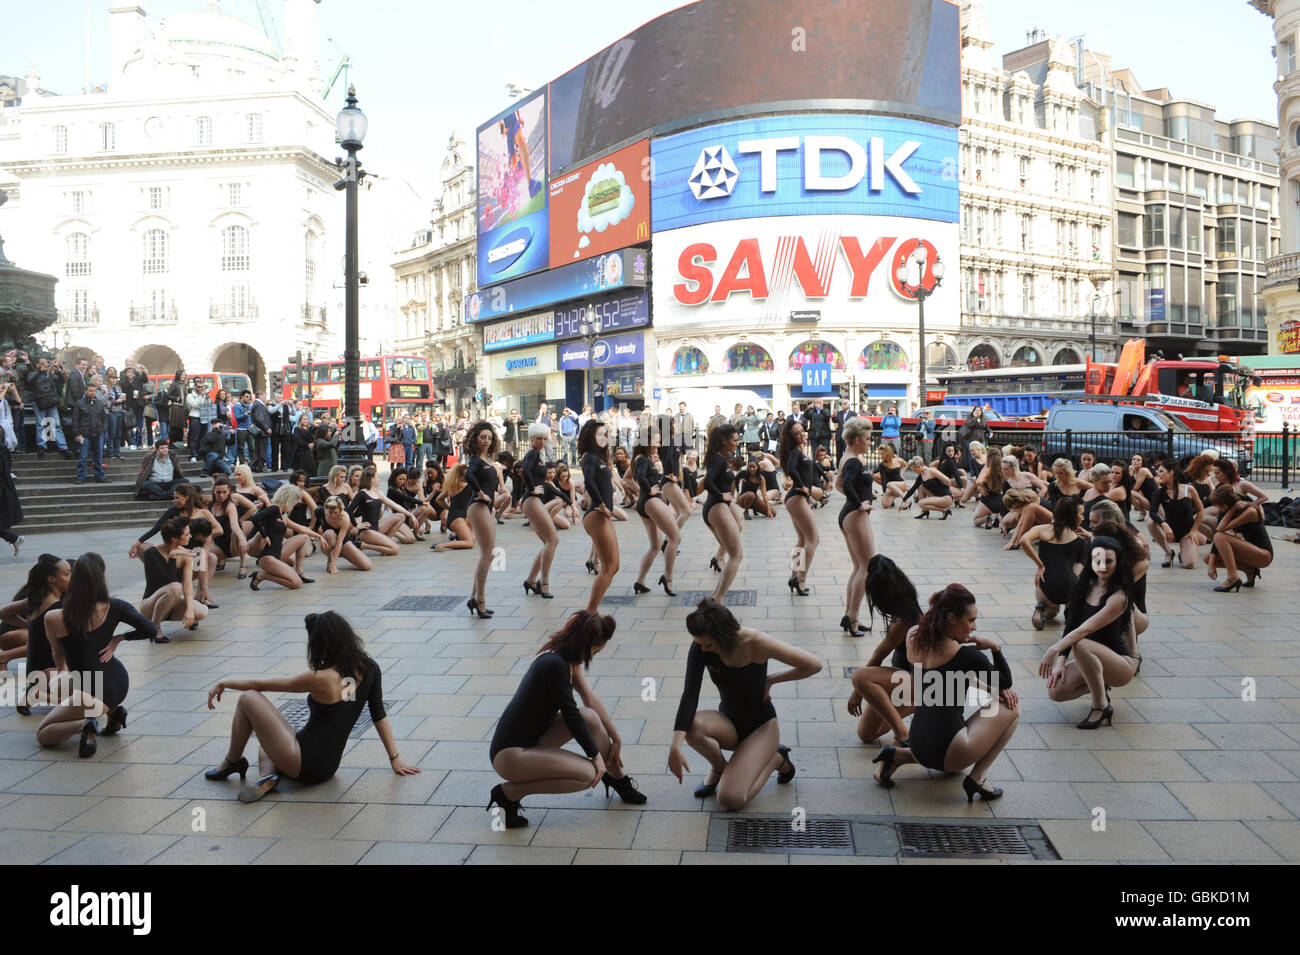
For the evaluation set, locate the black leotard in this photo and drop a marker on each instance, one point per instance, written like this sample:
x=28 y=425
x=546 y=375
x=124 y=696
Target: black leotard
x=39 y=654
x=1108 y=636
x=1203 y=489
x=482 y=478
x=159 y=571
x=366 y=509
x=670 y=457
x=82 y=653
x=769 y=479
x=351 y=537
x=300 y=513
x=1148 y=488
x=225 y=542
x=1179 y=514
x=887 y=476
x=167 y=515
x=800 y=472
x=934 y=486
x=691 y=482
x=718 y=481
x=325 y=736
x=458 y=504
x=741 y=690
x=270 y=525
x=950 y=470
x=933 y=727
x=599 y=480
x=648 y=478
x=1253 y=533
x=856 y=481
x=534 y=474
x=1058 y=567
x=546 y=689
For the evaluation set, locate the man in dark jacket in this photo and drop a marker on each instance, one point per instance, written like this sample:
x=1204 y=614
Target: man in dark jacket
x=76 y=388
x=45 y=396
x=841 y=416
x=817 y=421
x=160 y=473
x=89 y=425
x=213 y=450
x=261 y=419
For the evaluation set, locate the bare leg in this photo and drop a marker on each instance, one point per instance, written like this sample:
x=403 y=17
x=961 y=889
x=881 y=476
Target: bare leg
x=652 y=551
x=727 y=530
x=601 y=530
x=887 y=696
x=661 y=513
x=981 y=740
x=807 y=538
x=373 y=540
x=544 y=527
x=278 y=572
x=255 y=713
x=753 y=762
x=857 y=537
x=460 y=527
x=484 y=524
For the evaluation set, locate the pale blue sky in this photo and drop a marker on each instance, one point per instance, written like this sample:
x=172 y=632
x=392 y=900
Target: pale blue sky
x=425 y=67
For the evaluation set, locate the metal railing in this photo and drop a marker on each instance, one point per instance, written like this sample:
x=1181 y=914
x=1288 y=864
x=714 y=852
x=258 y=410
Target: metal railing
x=226 y=312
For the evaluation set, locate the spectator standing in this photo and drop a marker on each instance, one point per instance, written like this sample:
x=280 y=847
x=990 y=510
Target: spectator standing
x=514 y=432
x=569 y=436
x=12 y=373
x=133 y=407
x=89 y=427
x=115 y=399
x=327 y=449
x=207 y=418
x=408 y=438
x=841 y=416
x=243 y=441
x=718 y=419
x=891 y=429
x=45 y=395
x=428 y=437
x=260 y=429
x=927 y=436
x=176 y=409
x=817 y=425
x=76 y=385
x=685 y=423
x=194 y=418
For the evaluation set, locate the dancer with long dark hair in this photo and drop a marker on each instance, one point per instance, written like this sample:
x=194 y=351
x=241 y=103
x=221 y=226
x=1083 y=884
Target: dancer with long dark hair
x=341 y=680
x=719 y=483
x=169 y=579
x=598 y=518
x=798 y=503
x=886 y=687
x=1097 y=624
x=1176 y=512
x=745 y=721
x=656 y=515
x=854 y=482
x=946 y=648
x=1241 y=539
x=47 y=582
x=481 y=446
x=526 y=749
x=1059 y=557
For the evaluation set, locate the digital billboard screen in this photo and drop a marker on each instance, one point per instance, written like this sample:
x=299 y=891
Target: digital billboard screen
x=899 y=56
x=512 y=212
x=601 y=206
x=626 y=268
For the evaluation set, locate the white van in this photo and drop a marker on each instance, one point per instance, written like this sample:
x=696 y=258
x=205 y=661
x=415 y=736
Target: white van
x=700 y=402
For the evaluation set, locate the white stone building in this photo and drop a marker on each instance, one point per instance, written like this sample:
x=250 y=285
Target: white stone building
x=433 y=276
x=187 y=208
x=1036 y=208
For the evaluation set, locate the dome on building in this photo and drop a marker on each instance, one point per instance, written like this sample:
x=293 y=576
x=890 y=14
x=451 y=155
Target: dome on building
x=215 y=30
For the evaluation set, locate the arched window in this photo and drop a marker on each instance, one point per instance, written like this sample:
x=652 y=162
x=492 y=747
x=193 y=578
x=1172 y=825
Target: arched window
x=690 y=361
x=234 y=249
x=883 y=356
x=983 y=358
x=748 y=358
x=78 y=255
x=1067 y=356
x=1025 y=356
x=816 y=352
x=939 y=357
x=309 y=268
x=154 y=252
x=203 y=130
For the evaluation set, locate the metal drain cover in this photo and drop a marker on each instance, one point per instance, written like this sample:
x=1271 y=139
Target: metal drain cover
x=930 y=839
x=619 y=600
x=297 y=713
x=809 y=837
x=735 y=598
x=419 y=604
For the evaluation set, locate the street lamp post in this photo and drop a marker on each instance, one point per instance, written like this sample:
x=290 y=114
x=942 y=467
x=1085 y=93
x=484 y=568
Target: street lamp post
x=589 y=328
x=352 y=131
x=1098 y=277
x=920 y=293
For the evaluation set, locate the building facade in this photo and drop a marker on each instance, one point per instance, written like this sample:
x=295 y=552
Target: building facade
x=1281 y=287
x=433 y=276
x=1036 y=244
x=186 y=207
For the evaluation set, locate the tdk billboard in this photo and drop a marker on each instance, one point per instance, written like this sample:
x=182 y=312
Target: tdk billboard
x=820 y=164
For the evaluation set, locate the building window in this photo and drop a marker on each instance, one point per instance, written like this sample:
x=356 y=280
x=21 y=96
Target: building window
x=1225 y=302
x=1193 y=231
x=980 y=155
x=79 y=304
x=1024 y=170
x=155 y=194
x=1226 y=239
x=1124 y=172
x=1126 y=230
x=1026 y=232
x=1094 y=240
x=254 y=127
x=980 y=218
x=1153 y=234
x=79 y=202
x=107 y=137
x=154 y=257
x=1026 y=293
x=309 y=268
x=78 y=255
x=234 y=249
x=204 y=130
x=1288 y=54
x=1062 y=298
x=60 y=139
x=234 y=193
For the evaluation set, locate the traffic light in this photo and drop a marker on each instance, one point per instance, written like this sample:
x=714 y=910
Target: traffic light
x=277 y=383
x=846 y=391
x=862 y=396
x=296 y=361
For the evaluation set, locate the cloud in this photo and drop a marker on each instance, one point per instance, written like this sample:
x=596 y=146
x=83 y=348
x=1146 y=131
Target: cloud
x=611 y=211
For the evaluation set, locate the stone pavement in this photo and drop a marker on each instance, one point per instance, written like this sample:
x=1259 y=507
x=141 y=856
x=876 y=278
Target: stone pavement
x=1189 y=772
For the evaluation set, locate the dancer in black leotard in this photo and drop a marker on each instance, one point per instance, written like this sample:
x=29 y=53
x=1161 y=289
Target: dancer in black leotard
x=990 y=483
x=1108 y=522
x=1240 y=540
x=691 y=476
x=1098 y=630
x=798 y=503
x=82 y=642
x=455 y=497
x=342 y=680
x=1144 y=483
x=532 y=501
x=598 y=519
x=47 y=581
x=944 y=645
x=169 y=579
x=273 y=550
x=225 y=507
x=745 y=721
x=481 y=447
x=889 y=475
x=541 y=717
x=1060 y=555
x=367 y=511
x=341 y=536
x=719 y=483
x=1175 y=513
x=884 y=683
x=854 y=482
x=752 y=488
x=671 y=445
x=657 y=516
x=938 y=492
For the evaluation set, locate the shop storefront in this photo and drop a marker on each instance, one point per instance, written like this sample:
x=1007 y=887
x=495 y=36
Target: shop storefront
x=524 y=378
x=617 y=369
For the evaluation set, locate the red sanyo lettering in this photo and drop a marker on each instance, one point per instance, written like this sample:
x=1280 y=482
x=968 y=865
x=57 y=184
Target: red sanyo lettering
x=745 y=271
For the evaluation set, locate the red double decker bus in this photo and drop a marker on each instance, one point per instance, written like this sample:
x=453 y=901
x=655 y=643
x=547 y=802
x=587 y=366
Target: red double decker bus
x=391 y=386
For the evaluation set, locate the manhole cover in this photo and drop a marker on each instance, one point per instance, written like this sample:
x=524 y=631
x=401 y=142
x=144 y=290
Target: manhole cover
x=296 y=712
x=735 y=598
x=930 y=839
x=809 y=836
x=619 y=600
x=423 y=604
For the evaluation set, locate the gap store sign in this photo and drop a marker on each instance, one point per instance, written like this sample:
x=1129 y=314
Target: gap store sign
x=607 y=352
x=818 y=164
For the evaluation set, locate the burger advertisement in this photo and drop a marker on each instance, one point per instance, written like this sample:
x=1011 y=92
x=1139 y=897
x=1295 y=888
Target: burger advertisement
x=601 y=206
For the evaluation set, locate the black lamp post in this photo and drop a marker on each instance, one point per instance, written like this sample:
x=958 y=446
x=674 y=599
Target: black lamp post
x=352 y=131
x=589 y=328
x=921 y=293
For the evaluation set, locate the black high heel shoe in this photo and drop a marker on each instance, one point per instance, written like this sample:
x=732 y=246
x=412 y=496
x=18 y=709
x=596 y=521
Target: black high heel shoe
x=88 y=745
x=472 y=604
x=116 y=721
x=713 y=564
x=25 y=707
x=793 y=584
x=1229 y=588
x=1252 y=574
x=1106 y=712
x=663 y=582
x=626 y=789
x=946 y=514
x=227 y=768
x=510 y=807
x=640 y=588
x=923 y=516
x=971 y=787
x=888 y=761
x=705 y=790
x=253 y=581
x=783 y=776
x=591 y=567
x=851 y=627
x=663 y=548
